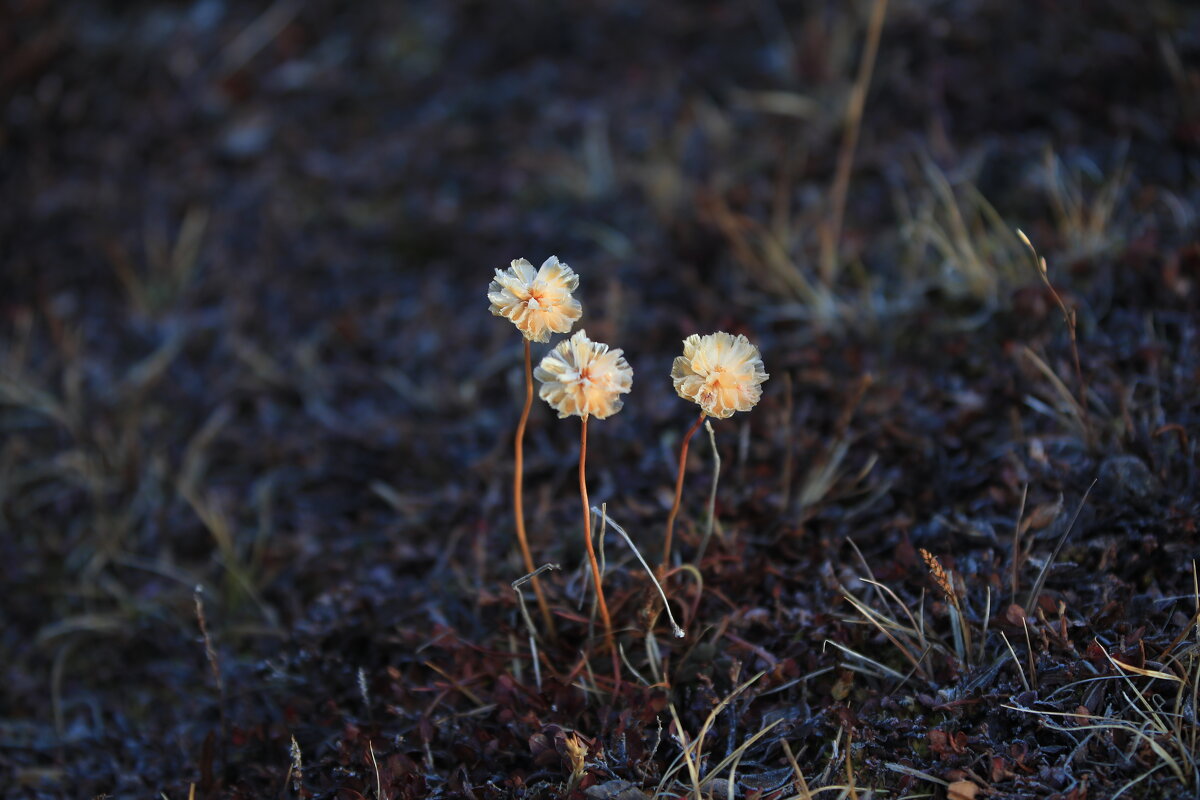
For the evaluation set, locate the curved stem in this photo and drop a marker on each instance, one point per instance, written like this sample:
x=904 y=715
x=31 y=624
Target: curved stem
x=518 y=495
x=683 y=450
x=587 y=534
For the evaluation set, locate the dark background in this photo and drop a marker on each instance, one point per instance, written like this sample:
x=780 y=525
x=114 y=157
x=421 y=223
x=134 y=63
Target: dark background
x=244 y=344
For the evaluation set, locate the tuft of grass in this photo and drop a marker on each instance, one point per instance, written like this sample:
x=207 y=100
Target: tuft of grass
x=1159 y=713
x=954 y=228
x=170 y=267
x=692 y=756
x=1085 y=204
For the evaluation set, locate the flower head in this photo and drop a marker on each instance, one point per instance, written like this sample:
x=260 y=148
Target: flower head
x=538 y=302
x=721 y=372
x=583 y=378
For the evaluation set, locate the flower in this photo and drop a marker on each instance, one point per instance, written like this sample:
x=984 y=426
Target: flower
x=539 y=303
x=721 y=372
x=583 y=378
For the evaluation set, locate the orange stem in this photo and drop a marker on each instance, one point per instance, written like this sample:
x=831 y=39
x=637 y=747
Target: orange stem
x=683 y=450
x=591 y=550
x=518 y=495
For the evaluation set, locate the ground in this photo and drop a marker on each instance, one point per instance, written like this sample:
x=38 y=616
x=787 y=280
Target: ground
x=256 y=526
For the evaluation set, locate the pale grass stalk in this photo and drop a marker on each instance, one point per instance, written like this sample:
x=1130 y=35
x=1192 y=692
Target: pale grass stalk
x=832 y=233
x=1069 y=317
x=692 y=749
x=602 y=512
x=712 y=495
x=533 y=648
x=888 y=671
x=629 y=666
x=379 y=795
x=850 y=763
x=1029 y=654
x=1041 y=578
x=875 y=619
x=801 y=784
x=917 y=629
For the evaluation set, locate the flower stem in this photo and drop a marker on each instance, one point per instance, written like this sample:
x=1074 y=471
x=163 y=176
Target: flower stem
x=518 y=495
x=683 y=450
x=591 y=550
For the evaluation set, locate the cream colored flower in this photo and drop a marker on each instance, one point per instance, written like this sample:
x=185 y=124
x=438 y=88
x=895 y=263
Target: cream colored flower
x=538 y=302
x=584 y=378
x=721 y=372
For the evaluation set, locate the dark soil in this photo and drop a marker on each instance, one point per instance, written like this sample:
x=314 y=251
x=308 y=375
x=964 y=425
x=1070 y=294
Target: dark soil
x=247 y=369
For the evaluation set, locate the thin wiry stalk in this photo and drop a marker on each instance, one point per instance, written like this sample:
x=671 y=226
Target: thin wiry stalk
x=801 y=784
x=882 y=670
x=591 y=551
x=692 y=750
x=712 y=496
x=877 y=620
x=683 y=450
x=1041 y=578
x=518 y=495
x=602 y=512
x=1070 y=318
x=533 y=648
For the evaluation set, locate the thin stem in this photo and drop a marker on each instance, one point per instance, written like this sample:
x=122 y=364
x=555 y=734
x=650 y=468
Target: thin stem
x=591 y=550
x=683 y=449
x=518 y=495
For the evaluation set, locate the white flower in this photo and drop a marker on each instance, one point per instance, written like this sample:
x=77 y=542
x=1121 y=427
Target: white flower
x=722 y=373
x=584 y=378
x=538 y=303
